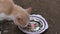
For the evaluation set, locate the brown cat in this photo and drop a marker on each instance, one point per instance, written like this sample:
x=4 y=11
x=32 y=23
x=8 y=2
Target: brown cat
x=9 y=10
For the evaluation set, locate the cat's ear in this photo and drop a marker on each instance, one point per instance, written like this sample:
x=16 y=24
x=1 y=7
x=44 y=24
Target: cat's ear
x=29 y=10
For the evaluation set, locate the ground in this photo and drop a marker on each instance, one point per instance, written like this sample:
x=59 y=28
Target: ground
x=49 y=9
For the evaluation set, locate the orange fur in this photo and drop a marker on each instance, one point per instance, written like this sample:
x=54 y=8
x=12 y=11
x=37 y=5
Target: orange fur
x=20 y=14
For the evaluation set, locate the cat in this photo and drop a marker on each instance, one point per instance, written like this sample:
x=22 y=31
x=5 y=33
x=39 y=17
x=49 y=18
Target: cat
x=11 y=11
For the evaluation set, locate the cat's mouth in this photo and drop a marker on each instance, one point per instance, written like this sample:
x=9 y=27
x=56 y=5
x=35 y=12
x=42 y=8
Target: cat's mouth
x=33 y=26
x=22 y=23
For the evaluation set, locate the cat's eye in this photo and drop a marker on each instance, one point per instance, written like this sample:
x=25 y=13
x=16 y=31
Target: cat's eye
x=18 y=18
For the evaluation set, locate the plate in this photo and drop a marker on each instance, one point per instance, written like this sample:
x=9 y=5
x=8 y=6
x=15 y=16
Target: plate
x=36 y=25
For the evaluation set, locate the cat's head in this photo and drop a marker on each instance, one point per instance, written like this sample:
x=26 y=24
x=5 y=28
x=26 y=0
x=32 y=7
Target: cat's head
x=22 y=18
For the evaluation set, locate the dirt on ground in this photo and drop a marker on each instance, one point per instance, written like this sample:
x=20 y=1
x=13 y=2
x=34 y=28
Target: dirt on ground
x=49 y=9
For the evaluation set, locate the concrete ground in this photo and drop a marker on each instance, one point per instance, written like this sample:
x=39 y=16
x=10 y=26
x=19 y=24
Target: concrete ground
x=49 y=9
